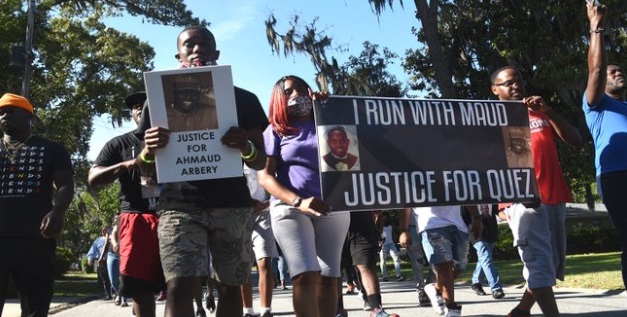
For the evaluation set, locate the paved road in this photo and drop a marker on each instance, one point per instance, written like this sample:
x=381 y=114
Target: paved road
x=397 y=297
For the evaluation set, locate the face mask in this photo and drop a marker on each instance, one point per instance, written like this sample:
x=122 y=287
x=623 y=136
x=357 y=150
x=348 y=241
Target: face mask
x=197 y=64
x=299 y=107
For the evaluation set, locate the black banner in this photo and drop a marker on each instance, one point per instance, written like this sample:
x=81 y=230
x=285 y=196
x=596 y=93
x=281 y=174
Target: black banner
x=389 y=153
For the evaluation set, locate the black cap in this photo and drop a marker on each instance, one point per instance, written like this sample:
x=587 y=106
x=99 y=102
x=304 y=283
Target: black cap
x=137 y=98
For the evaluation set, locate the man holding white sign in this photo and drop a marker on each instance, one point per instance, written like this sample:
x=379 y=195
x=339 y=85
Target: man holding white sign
x=215 y=213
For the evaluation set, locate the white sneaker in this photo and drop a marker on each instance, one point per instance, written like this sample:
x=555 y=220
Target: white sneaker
x=454 y=312
x=436 y=300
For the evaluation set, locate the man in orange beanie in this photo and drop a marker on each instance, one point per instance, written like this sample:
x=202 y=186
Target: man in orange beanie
x=29 y=219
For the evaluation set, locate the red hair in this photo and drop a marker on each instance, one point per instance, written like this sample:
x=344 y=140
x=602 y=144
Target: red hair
x=277 y=112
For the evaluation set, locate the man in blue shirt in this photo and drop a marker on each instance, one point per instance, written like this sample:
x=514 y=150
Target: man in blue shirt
x=93 y=259
x=605 y=109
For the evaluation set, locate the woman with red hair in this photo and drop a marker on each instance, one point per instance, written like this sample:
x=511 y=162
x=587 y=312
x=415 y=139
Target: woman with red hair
x=309 y=233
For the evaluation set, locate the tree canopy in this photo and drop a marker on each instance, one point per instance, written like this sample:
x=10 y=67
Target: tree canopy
x=81 y=68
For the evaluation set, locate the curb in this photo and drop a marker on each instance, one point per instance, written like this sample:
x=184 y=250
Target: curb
x=71 y=302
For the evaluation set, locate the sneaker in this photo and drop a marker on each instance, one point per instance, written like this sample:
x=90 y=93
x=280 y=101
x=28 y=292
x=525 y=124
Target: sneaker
x=478 y=289
x=108 y=297
x=379 y=312
x=118 y=300
x=454 y=311
x=200 y=312
x=343 y=313
x=210 y=304
x=423 y=299
x=248 y=315
x=516 y=312
x=350 y=289
x=124 y=303
x=436 y=300
x=269 y=314
x=384 y=279
x=367 y=306
x=498 y=294
x=163 y=295
x=400 y=278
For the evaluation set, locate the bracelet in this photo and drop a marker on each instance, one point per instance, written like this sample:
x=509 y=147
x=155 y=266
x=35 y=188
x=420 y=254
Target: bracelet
x=143 y=158
x=599 y=30
x=254 y=156
x=253 y=153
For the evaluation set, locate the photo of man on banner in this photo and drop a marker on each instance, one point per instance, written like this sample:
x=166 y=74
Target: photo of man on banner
x=341 y=154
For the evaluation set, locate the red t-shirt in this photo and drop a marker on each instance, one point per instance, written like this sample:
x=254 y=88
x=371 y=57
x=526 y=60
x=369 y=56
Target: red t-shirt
x=551 y=184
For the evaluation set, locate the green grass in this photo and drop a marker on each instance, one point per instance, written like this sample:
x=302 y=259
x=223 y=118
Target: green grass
x=77 y=284
x=594 y=271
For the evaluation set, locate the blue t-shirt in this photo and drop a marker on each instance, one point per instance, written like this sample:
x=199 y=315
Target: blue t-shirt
x=296 y=159
x=96 y=248
x=607 y=123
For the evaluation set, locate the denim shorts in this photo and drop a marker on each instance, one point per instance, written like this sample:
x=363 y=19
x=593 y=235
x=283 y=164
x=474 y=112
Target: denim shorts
x=540 y=236
x=264 y=245
x=446 y=244
x=184 y=238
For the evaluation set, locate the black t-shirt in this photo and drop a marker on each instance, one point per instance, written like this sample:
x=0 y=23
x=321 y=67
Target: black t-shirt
x=119 y=149
x=362 y=221
x=490 y=232
x=26 y=183
x=224 y=192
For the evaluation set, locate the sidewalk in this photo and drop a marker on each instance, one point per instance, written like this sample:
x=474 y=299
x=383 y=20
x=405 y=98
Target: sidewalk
x=398 y=297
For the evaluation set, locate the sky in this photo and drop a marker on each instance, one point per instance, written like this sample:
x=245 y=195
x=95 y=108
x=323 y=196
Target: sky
x=240 y=35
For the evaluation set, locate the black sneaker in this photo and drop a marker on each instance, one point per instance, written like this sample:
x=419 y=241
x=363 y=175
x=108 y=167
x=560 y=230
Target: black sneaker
x=498 y=294
x=423 y=299
x=400 y=278
x=200 y=312
x=210 y=303
x=516 y=312
x=478 y=289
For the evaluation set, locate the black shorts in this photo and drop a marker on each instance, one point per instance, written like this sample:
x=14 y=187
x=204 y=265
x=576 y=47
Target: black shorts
x=363 y=239
x=130 y=286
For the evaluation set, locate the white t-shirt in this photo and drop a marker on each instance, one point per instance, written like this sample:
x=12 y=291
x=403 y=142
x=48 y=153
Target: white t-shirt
x=439 y=217
x=387 y=234
x=256 y=191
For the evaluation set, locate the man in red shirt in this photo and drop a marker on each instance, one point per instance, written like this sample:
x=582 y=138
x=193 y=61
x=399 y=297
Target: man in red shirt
x=539 y=231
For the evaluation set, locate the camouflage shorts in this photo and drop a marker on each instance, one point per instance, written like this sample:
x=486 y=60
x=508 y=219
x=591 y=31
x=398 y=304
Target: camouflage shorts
x=185 y=237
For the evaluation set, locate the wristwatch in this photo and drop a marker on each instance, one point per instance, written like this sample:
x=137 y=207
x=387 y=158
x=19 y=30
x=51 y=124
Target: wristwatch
x=296 y=202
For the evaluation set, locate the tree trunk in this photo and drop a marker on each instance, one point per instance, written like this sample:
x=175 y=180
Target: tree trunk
x=428 y=16
x=589 y=198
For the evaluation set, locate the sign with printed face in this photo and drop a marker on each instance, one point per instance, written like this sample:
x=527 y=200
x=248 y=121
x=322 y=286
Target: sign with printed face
x=391 y=153
x=197 y=105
